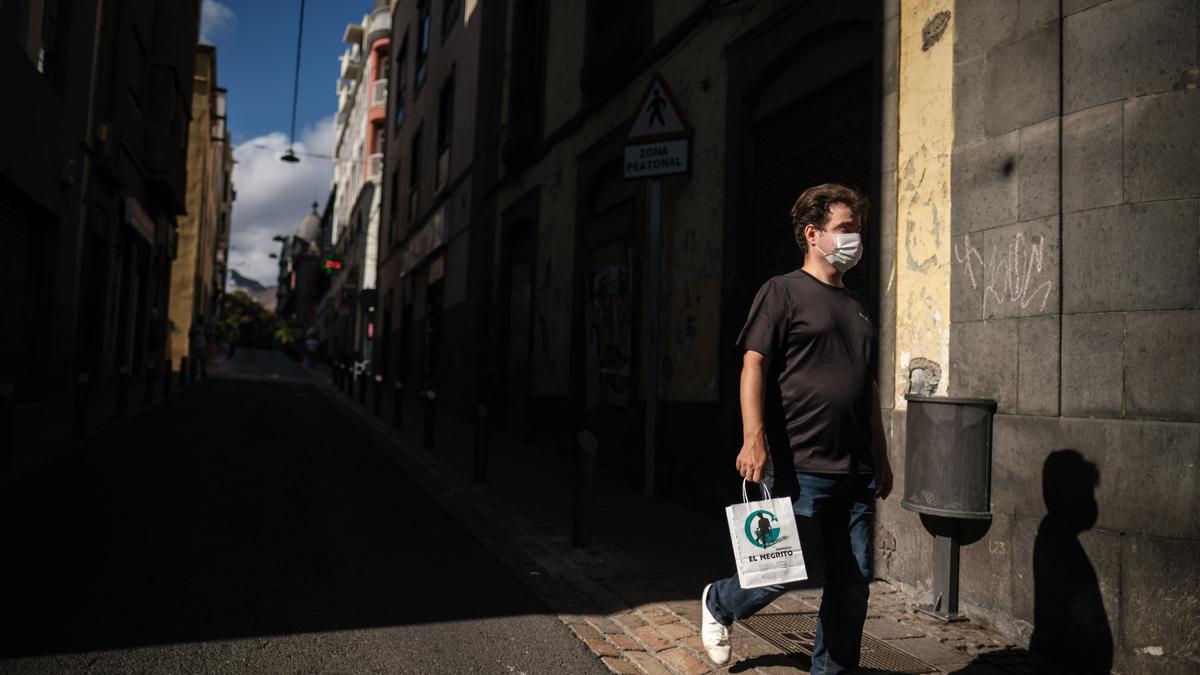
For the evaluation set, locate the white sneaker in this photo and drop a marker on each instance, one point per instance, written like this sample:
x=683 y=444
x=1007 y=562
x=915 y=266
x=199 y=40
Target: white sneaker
x=713 y=633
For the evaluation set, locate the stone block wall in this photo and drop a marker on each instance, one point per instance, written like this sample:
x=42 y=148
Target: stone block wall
x=1075 y=304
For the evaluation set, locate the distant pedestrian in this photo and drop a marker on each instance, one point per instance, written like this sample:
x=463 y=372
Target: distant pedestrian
x=310 y=350
x=812 y=344
x=198 y=345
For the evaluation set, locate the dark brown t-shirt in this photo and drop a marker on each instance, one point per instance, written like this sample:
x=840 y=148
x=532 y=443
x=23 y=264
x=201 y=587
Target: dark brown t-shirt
x=822 y=349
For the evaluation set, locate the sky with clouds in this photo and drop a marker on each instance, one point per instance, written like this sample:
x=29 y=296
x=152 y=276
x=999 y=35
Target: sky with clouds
x=256 y=61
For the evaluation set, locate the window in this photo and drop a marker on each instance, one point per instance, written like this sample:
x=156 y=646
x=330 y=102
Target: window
x=445 y=112
x=414 y=175
x=445 y=126
x=379 y=140
x=394 y=201
x=415 y=157
x=449 y=16
x=400 y=86
x=422 y=45
x=42 y=27
x=617 y=34
x=139 y=70
x=527 y=82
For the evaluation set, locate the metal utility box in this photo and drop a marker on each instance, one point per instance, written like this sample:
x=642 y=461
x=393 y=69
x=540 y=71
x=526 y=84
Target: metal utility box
x=948 y=456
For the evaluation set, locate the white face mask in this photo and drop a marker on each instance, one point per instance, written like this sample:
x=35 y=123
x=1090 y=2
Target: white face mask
x=847 y=250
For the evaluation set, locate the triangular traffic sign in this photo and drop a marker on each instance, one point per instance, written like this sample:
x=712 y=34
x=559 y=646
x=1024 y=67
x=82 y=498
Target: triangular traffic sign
x=659 y=117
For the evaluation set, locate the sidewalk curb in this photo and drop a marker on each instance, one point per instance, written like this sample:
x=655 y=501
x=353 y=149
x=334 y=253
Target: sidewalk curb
x=102 y=426
x=601 y=599
x=606 y=597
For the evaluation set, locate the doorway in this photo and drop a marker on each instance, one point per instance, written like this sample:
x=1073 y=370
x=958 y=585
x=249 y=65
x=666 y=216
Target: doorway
x=611 y=307
x=518 y=325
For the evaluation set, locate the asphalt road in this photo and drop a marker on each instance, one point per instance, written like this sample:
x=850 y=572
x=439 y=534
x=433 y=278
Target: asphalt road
x=247 y=526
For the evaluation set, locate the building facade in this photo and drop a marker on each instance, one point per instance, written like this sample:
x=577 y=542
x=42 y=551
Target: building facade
x=302 y=279
x=766 y=88
x=92 y=186
x=1033 y=241
x=202 y=251
x=347 y=314
x=433 y=239
x=1045 y=257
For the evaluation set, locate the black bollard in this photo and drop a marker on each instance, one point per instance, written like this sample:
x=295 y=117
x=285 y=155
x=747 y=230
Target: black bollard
x=351 y=376
x=8 y=419
x=378 y=394
x=398 y=406
x=183 y=371
x=166 y=377
x=79 y=420
x=362 y=387
x=481 y=442
x=192 y=365
x=430 y=416
x=122 y=391
x=585 y=491
x=148 y=393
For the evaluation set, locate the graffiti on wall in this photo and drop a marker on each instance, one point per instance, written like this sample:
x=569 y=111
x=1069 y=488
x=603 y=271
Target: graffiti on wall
x=1012 y=273
x=609 y=331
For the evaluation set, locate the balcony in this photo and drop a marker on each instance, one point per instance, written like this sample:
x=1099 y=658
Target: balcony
x=379 y=25
x=347 y=92
x=375 y=166
x=164 y=146
x=379 y=93
x=352 y=62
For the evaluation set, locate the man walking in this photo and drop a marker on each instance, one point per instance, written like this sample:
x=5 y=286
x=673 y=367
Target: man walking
x=810 y=344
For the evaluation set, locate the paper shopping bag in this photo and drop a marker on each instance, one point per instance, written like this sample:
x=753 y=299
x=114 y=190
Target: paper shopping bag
x=766 y=545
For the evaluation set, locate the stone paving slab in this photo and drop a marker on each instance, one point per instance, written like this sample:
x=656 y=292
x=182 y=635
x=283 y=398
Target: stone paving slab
x=637 y=619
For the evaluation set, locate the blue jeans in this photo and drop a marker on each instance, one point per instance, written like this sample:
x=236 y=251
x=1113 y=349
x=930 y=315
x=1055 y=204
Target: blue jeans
x=835 y=516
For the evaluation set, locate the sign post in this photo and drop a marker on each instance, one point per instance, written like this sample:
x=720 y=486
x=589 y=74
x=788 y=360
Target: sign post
x=657 y=143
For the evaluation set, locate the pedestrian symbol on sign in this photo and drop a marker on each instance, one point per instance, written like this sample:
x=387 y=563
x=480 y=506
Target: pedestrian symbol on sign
x=655 y=108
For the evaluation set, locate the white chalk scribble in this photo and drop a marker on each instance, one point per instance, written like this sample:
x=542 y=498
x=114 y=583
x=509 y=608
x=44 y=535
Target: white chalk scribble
x=1012 y=273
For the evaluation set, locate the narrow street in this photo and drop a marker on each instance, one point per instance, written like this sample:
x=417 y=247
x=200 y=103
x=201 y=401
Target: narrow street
x=246 y=525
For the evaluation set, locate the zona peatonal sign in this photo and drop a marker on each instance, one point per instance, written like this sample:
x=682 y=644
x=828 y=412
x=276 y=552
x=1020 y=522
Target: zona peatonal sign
x=658 y=138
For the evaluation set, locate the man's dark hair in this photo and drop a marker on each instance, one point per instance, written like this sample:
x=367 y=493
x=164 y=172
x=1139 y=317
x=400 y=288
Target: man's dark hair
x=812 y=207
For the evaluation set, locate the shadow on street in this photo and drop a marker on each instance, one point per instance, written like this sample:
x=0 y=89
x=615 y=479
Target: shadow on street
x=236 y=509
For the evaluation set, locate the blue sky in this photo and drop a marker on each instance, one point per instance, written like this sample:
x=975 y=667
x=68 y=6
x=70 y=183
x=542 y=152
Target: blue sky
x=256 y=58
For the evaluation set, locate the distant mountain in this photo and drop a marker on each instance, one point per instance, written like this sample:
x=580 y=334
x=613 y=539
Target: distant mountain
x=263 y=295
x=246 y=283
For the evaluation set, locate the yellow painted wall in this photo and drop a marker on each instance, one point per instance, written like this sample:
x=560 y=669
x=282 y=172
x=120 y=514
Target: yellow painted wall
x=926 y=136
x=192 y=255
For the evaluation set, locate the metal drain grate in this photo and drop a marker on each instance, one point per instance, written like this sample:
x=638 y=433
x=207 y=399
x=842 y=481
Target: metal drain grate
x=794 y=633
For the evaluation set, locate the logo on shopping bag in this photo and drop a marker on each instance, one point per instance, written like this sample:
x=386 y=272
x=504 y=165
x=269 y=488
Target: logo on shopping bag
x=761 y=530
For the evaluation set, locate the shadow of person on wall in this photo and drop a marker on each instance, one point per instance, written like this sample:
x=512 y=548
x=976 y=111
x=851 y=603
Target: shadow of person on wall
x=1069 y=622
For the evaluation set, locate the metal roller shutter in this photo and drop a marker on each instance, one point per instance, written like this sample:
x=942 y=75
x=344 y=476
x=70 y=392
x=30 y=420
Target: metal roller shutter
x=824 y=138
x=21 y=258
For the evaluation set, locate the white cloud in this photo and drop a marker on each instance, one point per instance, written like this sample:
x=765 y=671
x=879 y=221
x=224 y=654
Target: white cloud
x=272 y=196
x=216 y=19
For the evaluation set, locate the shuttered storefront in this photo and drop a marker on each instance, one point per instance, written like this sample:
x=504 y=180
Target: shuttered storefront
x=22 y=257
x=824 y=138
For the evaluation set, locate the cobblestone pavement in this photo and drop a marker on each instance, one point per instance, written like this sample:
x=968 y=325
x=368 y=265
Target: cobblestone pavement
x=632 y=597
